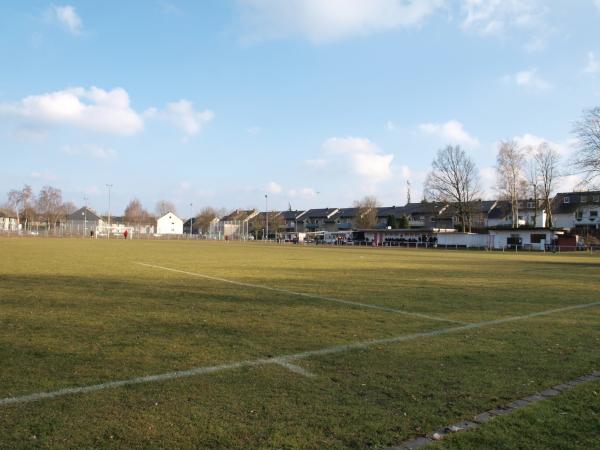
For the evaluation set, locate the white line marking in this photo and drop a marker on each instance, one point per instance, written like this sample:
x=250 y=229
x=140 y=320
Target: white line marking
x=293 y=367
x=277 y=360
x=304 y=294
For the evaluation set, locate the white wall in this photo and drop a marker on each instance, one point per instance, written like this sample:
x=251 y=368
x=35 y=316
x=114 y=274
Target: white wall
x=169 y=224
x=463 y=239
x=498 y=238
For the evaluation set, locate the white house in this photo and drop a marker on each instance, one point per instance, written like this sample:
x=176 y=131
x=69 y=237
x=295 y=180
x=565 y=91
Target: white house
x=577 y=210
x=9 y=222
x=501 y=214
x=169 y=224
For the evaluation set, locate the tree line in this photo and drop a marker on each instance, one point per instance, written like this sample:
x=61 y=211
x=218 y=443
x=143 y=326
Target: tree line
x=521 y=172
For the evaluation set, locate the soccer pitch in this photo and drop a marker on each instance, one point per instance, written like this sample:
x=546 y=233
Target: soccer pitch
x=168 y=344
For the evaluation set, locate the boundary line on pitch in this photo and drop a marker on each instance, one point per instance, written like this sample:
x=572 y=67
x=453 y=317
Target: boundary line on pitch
x=305 y=294
x=282 y=360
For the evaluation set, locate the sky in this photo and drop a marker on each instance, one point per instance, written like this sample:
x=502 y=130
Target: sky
x=314 y=103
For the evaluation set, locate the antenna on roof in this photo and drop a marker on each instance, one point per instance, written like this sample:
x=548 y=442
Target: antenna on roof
x=407 y=191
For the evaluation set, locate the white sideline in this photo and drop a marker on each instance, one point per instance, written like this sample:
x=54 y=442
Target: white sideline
x=304 y=294
x=280 y=360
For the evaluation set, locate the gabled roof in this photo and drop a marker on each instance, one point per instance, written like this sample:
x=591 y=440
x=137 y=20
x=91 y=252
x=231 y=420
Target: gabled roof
x=396 y=211
x=476 y=207
x=503 y=208
x=84 y=213
x=291 y=215
x=169 y=213
x=347 y=213
x=575 y=201
x=321 y=213
x=240 y=214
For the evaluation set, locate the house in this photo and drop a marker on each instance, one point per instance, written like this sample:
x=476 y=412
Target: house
x=257 y=224
x=428 y=215
x=318 y=220
x=169 y=224
x=9 y=222
x=576 y=210
x=346 y=219
x=191 y=223
x=235 y=225
x=384 y=213
x=84 y=221
x=290 y=220
x=500 y=216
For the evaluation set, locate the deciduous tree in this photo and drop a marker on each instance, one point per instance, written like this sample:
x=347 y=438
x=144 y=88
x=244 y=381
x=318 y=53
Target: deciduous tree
x=510 y=178
x=547 y=160
x=454 y=178
x=586 y=159
x=366 y=212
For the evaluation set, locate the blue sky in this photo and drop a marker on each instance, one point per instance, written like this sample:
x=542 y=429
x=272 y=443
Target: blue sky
x=317 y=103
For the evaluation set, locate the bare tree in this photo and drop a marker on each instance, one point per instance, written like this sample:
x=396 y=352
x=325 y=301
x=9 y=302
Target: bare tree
x=49 y=205
x=547 y=160
x=587 y=156
x=206 y=216
x=21 y=202
x=533 y=185
x=163 y=206
x=135 y=213
x=454 y=178
x=510 y=179
x=366 y=212
x=69 y=208
x=14 y=200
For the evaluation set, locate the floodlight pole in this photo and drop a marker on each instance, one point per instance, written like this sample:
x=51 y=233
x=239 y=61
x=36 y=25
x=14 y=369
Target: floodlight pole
x=109 y=228
x=267 y=215
x=191 y=220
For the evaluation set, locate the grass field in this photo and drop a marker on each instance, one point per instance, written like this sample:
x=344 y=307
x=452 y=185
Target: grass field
x=385 y=345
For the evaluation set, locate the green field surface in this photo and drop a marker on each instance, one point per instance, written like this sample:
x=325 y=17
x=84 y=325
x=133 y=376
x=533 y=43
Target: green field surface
x=310 y=347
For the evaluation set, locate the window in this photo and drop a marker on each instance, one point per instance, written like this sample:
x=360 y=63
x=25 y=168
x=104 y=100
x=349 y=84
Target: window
x=530 y=205
x=566 y=200
x=578 y=215
x=584 y=199
x=537 y=238
x=596 y=198
x=594 y=214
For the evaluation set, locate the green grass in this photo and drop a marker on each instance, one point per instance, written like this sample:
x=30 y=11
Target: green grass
x=78 y=312
x=571 y=421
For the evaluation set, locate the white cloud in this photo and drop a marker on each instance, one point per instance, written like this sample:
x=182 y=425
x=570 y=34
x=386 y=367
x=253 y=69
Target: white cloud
x=319 y=163
x=91 y=151
x=92 y=109
x=182 y=115
x=406 y=172
x=362 y=157
x=169 y=8
x=488 y=181
x=530 y=142
x=305 y=193
x=504 y=17
x=390 y=126
x=44 y=175
x=273 y=187
x=528 y=79
x=597 y=3
x=330 y=20
x=593 y=65
x=496 y=16
x=68 y=18
x=452 y=131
